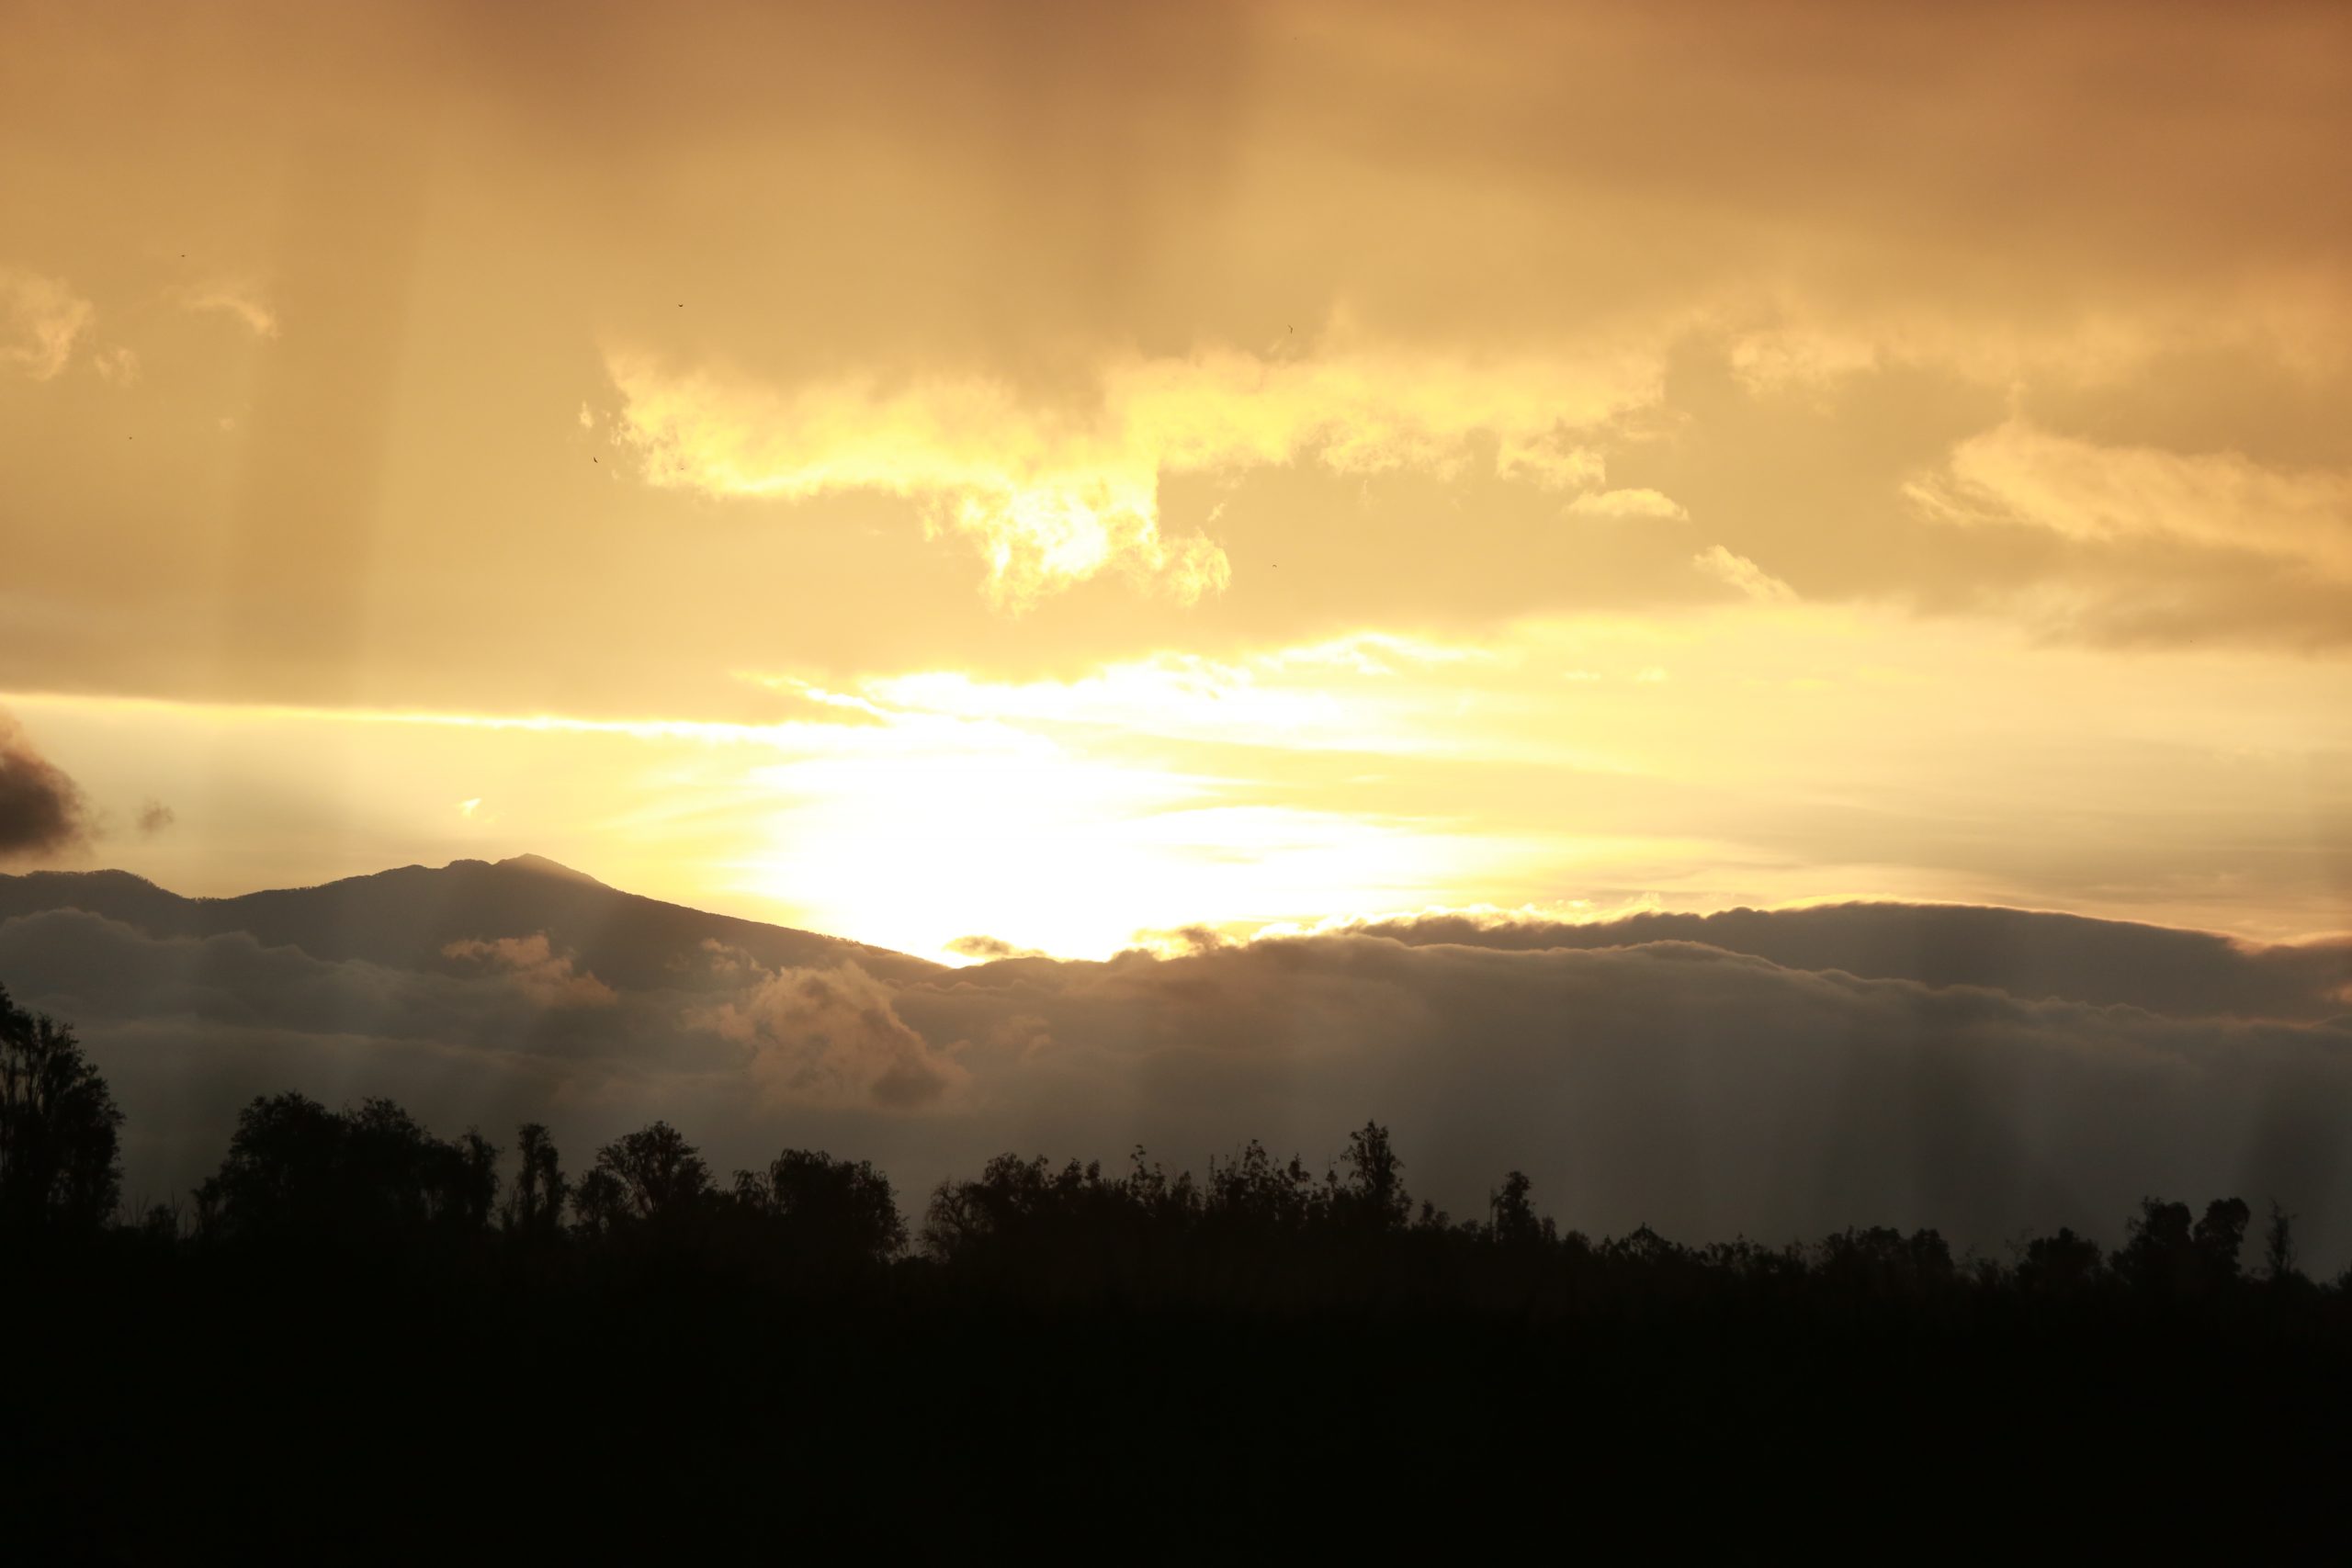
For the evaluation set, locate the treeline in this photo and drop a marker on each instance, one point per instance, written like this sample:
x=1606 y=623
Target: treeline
x=300 y=1179
x=359 y=1339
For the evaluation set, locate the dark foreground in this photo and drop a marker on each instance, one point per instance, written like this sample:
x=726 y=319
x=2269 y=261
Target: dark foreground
x=363 y=1341
x=182 y=1407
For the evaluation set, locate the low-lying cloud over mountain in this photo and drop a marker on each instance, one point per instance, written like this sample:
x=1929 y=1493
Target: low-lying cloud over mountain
x=2026 y=952
x=1772 y=1073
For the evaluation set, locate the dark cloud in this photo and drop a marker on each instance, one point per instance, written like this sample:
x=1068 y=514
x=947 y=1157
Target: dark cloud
x=41 y=810
x=1704 y=1091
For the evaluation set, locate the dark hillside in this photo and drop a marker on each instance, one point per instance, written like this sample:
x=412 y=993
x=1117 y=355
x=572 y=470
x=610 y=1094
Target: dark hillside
x=403 y=919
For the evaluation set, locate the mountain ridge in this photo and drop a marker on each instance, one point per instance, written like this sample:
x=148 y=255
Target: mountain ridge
x=411 y=915
x=405 y=916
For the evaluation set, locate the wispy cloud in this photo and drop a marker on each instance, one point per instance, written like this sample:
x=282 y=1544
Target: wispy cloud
x=243 y=301
x=1739 y=572
x=1627 y=503
x=2082 y=491
x=41 y=320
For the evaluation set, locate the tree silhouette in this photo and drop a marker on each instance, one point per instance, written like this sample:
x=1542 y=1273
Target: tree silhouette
x=1258 y=1234
x=534 y=1207
x=2158 y=1254
x=1372 y=1194
x=1512 y=1221
x=832 y=1212
x=2061 y=1264
x=656 y=1176
x=601 y=1203
x=297 y=1171
x=2220 y=1237
x=59 y=1129
x=1879 y=1263
x=1069 y=1298
x=2281 y=1263
x=2164 y=1255
x=1251 y=1193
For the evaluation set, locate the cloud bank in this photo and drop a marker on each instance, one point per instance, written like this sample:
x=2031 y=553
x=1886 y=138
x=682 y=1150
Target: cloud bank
x=1642 y=1077
x=2028 y=954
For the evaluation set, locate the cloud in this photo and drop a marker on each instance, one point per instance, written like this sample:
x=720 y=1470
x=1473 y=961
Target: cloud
x=1013 y=258
x=102 y=969
x=988 y=948
x=116 y=366
x=2096 y=494
x=1297 y=697
x=1548 y=464
x=833 y=1036
x=1181 y=942
x=719 y=961
x=42 y=811
x=1739 y=572
x=1627 y=503
x=1778 y=359
x=2159 y=969
x=1055 y=490
x=240 y=300
x=536 y=970
x=41 y=318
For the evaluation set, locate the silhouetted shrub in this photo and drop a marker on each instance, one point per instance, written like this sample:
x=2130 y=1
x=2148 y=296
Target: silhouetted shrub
x=59 y=1168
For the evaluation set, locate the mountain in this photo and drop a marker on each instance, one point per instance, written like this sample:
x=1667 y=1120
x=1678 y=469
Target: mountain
x=1984 y=1071
x=404 y=918
x=2024 y=953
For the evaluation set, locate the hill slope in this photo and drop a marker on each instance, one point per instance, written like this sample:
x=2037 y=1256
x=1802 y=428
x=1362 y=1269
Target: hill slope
x=405 y=918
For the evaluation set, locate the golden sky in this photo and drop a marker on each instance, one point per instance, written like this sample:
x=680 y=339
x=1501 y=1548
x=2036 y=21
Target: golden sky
x=1052 y=472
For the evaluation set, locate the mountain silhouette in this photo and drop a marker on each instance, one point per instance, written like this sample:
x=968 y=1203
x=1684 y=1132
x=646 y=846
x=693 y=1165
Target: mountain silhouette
x=404 y=918
x=2024 y=953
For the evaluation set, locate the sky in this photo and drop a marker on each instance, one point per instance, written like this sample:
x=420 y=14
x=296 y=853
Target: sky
x=1049 y=473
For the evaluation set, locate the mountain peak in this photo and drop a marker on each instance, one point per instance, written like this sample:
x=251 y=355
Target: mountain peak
x=539 y=865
